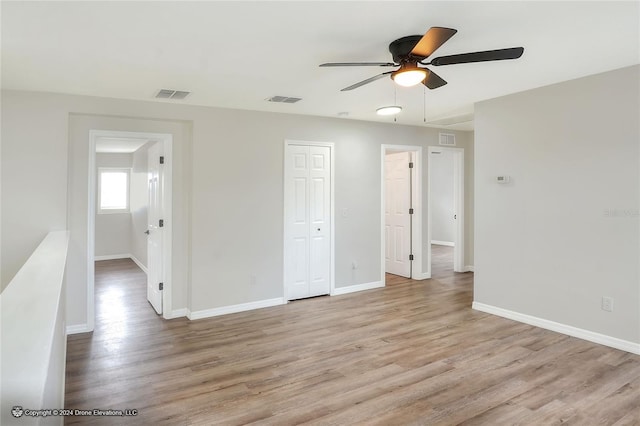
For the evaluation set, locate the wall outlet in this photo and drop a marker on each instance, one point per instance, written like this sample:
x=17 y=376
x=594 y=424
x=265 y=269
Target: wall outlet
x=354 y=265
x=607 y=304
x=253 y=280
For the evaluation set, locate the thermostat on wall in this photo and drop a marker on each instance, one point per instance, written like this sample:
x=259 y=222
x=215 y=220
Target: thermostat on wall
x=502 y=179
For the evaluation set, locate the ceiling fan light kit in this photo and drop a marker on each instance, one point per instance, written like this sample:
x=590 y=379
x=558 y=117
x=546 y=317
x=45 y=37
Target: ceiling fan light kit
x=389 y=110
x=409 y=75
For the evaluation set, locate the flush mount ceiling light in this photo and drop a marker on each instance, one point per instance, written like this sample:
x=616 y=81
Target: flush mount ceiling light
x=409 y=75
x=389 y=110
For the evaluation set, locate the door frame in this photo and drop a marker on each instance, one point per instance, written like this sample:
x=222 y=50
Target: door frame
x=458 y=207
x=167 y=140
x=416 y=229
x=332 y=245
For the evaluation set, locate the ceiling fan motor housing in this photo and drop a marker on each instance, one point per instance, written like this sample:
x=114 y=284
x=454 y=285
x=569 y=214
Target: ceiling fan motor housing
x=401 y=48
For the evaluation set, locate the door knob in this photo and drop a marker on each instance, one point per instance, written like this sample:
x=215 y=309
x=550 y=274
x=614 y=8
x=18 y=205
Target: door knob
x=146 y=232
x=318 y=229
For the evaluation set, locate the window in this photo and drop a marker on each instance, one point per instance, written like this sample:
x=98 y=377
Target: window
x=113 y=190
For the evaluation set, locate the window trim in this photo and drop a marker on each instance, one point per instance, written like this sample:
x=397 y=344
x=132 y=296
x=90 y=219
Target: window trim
x=99 y=209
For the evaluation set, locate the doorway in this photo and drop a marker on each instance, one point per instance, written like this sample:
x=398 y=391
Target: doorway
x=445 y=207
x=160 y=270
x=308 y=219
x=401 y=212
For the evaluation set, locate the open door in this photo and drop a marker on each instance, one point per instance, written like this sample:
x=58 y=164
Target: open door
x=155 y=228
x=397 y=218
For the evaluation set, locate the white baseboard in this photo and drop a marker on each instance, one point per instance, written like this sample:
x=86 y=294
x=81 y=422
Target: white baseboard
x=421 y=276
x=77 y=329
x=443 y=243
x=580 y=333
x=140 y=265
x=232 y=309
x=112 y=257
x=178 y=313
x=469 y=268
x=357 y=287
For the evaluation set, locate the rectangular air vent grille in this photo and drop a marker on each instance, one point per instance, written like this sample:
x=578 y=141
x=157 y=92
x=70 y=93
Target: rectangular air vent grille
x=172 y=94
x=284 y=99
x=448 y=139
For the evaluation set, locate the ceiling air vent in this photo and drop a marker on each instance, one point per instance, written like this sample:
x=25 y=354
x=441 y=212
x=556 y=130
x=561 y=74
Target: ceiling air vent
x=172 y=94
x=284 y=99
x=448 y=139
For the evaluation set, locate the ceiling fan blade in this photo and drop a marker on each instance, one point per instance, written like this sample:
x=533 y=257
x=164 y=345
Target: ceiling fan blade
x=367 y=81
x=432 y=40
x=358 y=64
x=487 y=55
x=433 y=80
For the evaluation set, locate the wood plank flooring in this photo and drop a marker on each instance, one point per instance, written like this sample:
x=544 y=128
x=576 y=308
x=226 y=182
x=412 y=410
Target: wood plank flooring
x=413 y=352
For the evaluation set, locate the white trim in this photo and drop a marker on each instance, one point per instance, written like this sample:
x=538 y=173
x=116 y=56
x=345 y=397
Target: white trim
x=140 y=265
x=469 y=268
x=178 y=313
x=167 y=140
x=580 y=333
x=443 y=243
x=332 y=201
x=458 y=195
x=112 y=257
x=422 y=276
x=232 y=309
x=418 y=207
x=357 y=287
x=78 y=328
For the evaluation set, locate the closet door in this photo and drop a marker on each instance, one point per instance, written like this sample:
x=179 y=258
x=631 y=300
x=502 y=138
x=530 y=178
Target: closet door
x=307 y=221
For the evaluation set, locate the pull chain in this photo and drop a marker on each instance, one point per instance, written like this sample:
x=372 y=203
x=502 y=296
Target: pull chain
x=424 y=104
x=395 y=101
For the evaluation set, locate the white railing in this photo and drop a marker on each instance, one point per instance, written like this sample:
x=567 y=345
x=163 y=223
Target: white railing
x=33 y=335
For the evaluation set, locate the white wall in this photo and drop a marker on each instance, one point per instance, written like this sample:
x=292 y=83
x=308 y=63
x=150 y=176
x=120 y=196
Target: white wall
x=78 y=134
x=139 y=205
x=113 y=230
x=442 y=225
x=34 y=178
x=565 y=231
x=228 y=188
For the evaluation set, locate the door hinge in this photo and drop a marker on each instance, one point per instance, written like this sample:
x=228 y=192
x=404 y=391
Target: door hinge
x=162 y=159
x=160 y=223
x=411 y=165
x=410 y=211
x=410 y=257
x=161 y=286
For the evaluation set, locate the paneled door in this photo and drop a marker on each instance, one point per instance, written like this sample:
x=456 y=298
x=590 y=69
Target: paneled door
x=307 y=221
x=154 y=228
x=397 y=217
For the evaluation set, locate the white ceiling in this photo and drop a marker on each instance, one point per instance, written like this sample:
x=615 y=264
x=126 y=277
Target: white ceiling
x=109 y=145
x=237 y=54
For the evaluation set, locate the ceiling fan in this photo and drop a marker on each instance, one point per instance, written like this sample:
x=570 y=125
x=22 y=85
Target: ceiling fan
x=410 y=51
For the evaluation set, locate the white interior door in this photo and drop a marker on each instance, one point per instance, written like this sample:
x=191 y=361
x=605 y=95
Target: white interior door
x=307 y=221
x=154 y=230
x=397 y=217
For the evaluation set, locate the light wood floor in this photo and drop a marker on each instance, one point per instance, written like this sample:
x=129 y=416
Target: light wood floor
x=411 y=353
